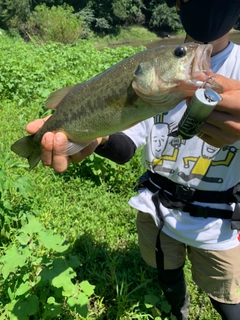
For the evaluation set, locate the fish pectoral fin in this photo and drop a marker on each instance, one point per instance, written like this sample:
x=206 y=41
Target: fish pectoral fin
x=56 y=97
x=75 y=147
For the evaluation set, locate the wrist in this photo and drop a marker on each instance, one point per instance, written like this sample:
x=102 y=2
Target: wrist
x=104 y=140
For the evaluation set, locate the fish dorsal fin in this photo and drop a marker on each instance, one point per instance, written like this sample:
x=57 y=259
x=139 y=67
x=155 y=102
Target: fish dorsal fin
x=56 y=97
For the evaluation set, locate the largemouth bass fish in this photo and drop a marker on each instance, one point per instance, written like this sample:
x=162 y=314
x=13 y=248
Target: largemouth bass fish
x=150 y=82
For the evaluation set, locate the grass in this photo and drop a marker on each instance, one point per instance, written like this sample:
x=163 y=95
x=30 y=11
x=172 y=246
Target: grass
x=87 y=205
x=125 y=36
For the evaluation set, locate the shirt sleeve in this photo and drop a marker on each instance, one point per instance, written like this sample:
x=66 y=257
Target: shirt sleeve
x=119 y=148
x=138 y=133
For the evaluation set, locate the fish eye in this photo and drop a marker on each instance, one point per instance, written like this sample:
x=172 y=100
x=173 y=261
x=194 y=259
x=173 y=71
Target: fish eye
x=180 y=52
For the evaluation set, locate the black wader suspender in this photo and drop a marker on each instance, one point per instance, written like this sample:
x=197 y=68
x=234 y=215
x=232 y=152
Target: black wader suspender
x=235 y=220
x=156 y=201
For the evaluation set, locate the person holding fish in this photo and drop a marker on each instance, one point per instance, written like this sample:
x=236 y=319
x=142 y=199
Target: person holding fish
x=188 y=200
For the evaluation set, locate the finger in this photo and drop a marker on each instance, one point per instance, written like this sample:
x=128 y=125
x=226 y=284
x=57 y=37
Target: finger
x=33 y=126
x=216 y=136
x=60 y=160
x=230 y=103
x=227 y=83
x=228 y=124
x=211 y=141
x=47 y=148
x=210 y=136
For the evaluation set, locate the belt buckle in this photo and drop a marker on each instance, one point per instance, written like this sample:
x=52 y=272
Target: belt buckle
x=184 y=193
x=200 y=212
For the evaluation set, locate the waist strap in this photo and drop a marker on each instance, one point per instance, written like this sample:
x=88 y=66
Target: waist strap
x=190 y=194
x=182 y=197
x=170 y=202
x=195 y=211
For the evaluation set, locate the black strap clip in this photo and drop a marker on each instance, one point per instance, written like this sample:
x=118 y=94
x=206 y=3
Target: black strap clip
x=235 y=221
x=184 y=193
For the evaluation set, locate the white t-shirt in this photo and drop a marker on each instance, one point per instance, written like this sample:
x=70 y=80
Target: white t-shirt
x=192 y=163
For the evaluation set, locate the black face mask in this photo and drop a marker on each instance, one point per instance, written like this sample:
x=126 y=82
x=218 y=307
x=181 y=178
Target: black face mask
x=208 y=20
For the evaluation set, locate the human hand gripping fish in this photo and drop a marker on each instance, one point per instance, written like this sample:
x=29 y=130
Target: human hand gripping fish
x=54 y=146
x=222 y=127
x=139 y=87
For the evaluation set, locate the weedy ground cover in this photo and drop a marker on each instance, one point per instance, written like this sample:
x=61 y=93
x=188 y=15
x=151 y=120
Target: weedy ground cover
x=68 y=243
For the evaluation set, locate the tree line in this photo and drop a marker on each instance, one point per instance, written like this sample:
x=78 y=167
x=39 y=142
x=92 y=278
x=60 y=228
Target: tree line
x=100 y=17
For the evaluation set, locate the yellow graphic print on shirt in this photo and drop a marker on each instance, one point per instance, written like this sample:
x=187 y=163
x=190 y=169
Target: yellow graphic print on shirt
x=204 y=162
x=165 y=149
x=159 y=141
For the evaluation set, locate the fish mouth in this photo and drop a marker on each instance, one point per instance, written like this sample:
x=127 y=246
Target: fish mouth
x=201 y=63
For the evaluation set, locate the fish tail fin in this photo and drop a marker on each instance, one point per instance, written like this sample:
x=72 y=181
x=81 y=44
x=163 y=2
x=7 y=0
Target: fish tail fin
x=27 y=148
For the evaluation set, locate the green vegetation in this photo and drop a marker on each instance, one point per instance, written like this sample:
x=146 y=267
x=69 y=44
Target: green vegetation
x=55 y=24
x=69 y=20
x=131 y=35
x=68 y=242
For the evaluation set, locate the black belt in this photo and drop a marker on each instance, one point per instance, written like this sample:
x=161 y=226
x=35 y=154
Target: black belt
x=189 y=194
x=171 y=202
x=181 y=198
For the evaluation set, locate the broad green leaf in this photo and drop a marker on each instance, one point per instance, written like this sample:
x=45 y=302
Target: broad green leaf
x=24 y=186
x=79 y=304
x=25 y=277
x=33 y=226
x=10 y=293
x=23 y=238
x=73 y=261
x=7 y=205
x=52 y=241
x=51 y=300
x=165 y=306
x=22 y=309
x=16 y=310
x=23 y=289
x=87 y=288
x=32 y=304
x=148 y=306
x=11 y=261
x=60 y=275
x=51 y=311
x=150 y=300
